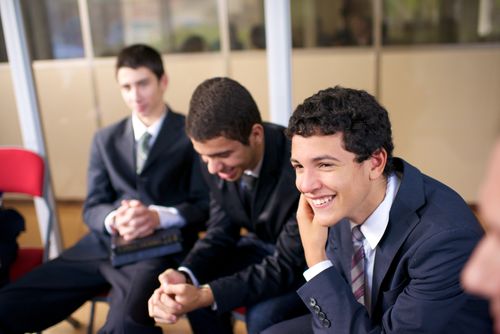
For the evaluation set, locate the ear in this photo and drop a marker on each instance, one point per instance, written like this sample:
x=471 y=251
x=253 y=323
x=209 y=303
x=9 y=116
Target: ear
x=257 y=134
x=377 y=162
x=164 y=81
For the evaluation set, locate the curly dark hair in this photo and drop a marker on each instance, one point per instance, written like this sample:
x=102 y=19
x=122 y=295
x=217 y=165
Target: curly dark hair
x=364 y=123
x=221 y=107
x=141 y=55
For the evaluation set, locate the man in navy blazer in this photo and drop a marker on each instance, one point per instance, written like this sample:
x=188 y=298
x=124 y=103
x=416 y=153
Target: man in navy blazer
x=384 y=243
x=128 y=194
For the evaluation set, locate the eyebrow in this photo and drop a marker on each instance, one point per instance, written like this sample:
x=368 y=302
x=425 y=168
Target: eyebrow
x=216 y=154
x=318 y=158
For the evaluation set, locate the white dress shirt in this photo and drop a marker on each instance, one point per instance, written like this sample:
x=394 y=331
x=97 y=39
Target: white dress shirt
x=169 y=216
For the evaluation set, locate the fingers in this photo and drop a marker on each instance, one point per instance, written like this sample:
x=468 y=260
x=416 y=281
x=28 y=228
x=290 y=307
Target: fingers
x=304 y=211
x=171 y=276
x=162 y=308
x=134 y=220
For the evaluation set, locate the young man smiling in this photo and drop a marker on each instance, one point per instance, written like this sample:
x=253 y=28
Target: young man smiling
x=131 y=192
x=261 y=268
x=384 y=243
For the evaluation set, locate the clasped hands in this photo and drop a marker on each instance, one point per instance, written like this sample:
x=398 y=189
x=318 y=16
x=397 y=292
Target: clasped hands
x=135 y=220
x=175 y=297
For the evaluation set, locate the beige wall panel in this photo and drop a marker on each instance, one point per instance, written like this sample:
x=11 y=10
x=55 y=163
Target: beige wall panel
x=111 y=106
x=250 y=69
x=185 y=72
x=314 y=70
x=445 y=110
x=10 y=133
x=68 y=118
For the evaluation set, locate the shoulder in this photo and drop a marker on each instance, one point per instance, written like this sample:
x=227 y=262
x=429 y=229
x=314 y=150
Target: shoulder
x=437 y=207
x=113 y=130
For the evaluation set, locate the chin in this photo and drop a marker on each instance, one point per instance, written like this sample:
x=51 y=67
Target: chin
x=326 y=220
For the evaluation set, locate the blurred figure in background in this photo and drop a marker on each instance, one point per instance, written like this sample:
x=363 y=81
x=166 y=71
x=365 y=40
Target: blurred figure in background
x=482 y=273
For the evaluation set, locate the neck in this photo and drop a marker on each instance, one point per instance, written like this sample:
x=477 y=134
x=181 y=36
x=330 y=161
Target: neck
x=373 y=199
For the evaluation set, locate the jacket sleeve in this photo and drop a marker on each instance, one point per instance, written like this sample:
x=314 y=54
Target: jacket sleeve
x=276 y=274
x=101 y=197
x=220 y=237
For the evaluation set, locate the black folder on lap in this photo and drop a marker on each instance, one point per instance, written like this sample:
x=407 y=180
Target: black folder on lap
x=162 y=242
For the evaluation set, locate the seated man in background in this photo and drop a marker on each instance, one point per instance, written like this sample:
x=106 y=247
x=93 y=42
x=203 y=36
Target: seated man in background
x=142 y=176
x=384 y=243
x=251 y=187
x=482 y=273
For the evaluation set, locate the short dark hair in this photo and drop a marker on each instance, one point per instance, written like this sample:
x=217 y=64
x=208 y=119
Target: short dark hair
x=141 y=55
x=221 y=107
x=364 y=123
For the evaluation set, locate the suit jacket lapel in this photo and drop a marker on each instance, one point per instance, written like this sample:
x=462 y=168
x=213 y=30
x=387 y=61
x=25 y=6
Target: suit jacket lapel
x=402 y=220
x=125 y=145
x=166 y=138
x=341 y=242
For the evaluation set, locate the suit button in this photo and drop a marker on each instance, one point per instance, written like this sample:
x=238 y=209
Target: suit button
x=316 y=309
x=312 y=302
x=326 y=323
x=321 y=316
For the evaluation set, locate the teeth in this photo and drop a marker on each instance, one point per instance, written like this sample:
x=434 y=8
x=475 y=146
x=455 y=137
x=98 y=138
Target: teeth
x=322 y=201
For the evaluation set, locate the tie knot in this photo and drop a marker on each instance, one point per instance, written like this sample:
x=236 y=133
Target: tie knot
x=357 y=235
x=248 y=182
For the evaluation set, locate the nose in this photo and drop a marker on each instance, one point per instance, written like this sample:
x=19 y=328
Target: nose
x=135 y=94
x=213 y=165
x=307 y=181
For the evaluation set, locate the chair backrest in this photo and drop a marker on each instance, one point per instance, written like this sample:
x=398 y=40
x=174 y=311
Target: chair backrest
x=21 y=171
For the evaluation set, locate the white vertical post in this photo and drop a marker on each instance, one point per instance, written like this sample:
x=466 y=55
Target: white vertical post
x=278 y=45
x=224 y=38
x=28 y=112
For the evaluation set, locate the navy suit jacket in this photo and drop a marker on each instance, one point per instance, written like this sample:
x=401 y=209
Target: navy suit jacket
x=170 y=177
x=416 y=279
x=272 y=220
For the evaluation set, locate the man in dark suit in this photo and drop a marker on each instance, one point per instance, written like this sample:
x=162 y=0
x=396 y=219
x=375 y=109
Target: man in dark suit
x=384 y=243
x=262 y=268
x=142 y=176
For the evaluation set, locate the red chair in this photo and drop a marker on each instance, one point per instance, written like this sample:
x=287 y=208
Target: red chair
x=23 y=172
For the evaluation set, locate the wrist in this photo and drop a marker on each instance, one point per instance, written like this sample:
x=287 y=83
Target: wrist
x=313 y=258
x=207 y=296
x=187 y=277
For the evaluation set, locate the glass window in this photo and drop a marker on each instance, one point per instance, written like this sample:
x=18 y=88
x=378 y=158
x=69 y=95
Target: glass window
x=441 y=21
x=3 y=50
x=326 y=23
x=246 y=24
x=53 y=29
x=168 y=25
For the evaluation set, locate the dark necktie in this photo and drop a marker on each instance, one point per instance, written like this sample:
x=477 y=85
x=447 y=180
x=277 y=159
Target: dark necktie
x=247 y=185
x=358 y=265
x=142 y=151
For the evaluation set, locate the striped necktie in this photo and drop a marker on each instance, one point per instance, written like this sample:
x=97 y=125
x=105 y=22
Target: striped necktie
x=142 y=151
x=358 y=265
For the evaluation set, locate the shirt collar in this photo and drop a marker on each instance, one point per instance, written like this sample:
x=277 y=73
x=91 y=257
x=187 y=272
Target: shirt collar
x=256 y=171
x=139 y=127
x=375 y=225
